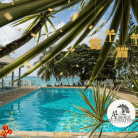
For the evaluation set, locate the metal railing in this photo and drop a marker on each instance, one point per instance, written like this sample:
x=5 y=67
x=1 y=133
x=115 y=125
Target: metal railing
x=27 y=84
x=6 y=85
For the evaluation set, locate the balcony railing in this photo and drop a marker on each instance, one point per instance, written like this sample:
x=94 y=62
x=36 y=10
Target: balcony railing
x=27 y=84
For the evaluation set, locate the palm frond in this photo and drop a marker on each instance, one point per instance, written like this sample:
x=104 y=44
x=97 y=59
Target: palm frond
x=39 y=34
x=51 y=23
x=82 y=4
x=134 y=5
x=133 y=80
x=62 y=4
x=23 y=20
x=124 y=27
x=100 y=27
x=31 y=25
x=20 y=10
x=46 y=29
x=100 y=12
x=83 y=18
x=106 y=47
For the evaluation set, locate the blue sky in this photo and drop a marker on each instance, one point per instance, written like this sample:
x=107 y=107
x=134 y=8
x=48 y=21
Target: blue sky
x=10 y=34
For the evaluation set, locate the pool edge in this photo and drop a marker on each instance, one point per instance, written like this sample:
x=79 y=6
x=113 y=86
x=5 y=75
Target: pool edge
x=69 y=134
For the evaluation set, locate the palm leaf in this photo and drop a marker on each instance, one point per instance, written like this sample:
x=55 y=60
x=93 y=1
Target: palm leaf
x=57 y=4
x=51 y=23
x=88 y=103
x=98 y=125
x=21 y=10
x=46 y=43
x=46 y=28
x=126 y=128
x=87 y=112
x=25 y=19
x=87 y=30
x=41 y=70
x=134 y=80
x=100 y=132
x=31 y=25
x=25 y=38
x=134 y=6
x=131 y=131
x=18 y=3
x=106 y=47
x=63 y=43
x=124 y=27
x=39 y=34
x=82 y=4
x=100 y=27
x=55 y=18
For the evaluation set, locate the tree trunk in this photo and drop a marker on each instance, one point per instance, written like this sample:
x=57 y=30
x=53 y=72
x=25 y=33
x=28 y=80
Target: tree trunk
x=25 y=38
x=119 y=72
x=83 y=77
x=129 y=55
x=82 y=82
x=68 y=81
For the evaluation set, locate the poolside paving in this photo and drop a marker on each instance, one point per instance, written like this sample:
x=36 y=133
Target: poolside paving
x=127 y=96
x=8 y=97
x=35 y=134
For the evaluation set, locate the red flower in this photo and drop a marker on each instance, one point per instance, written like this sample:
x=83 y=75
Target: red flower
x=3 y=133
x=5 y=127
x=9 y=131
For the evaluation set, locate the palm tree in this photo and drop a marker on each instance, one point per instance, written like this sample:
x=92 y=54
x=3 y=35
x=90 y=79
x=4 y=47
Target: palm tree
x=90 y=14
x=50 y=69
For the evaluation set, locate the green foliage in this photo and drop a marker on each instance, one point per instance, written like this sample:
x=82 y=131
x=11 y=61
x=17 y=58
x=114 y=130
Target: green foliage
x=87 y=11
x=98 y=110
x=106 y=47
x=122 y=65
x=83 y=60
x=132 y=81
x=36 y=18
x=50 y=69
x=81 y=22
x=72 y=29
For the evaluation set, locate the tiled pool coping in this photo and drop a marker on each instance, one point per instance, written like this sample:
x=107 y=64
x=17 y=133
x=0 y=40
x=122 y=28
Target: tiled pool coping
x=69 y=134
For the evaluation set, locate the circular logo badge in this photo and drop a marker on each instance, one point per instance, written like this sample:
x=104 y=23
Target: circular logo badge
x=121 y=113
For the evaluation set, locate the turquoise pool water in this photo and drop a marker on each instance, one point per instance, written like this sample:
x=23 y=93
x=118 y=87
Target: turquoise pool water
x=41 y=111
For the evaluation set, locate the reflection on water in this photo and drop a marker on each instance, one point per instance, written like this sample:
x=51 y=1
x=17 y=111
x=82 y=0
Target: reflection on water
x=41 y=111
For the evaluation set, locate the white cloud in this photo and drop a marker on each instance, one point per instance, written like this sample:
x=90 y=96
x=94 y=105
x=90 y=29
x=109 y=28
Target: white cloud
x=6 y=1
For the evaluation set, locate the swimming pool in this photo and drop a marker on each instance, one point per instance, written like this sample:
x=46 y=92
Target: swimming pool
x=41 y=111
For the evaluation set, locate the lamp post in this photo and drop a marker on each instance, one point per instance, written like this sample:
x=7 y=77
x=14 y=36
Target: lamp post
x=20 y=74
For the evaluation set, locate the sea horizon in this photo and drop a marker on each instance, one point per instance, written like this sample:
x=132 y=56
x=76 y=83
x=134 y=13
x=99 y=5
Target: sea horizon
x=37 y=80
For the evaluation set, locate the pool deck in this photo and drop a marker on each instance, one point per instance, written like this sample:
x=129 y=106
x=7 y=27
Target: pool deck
x=27 y=134
x=6 y=98
x=9 y=96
